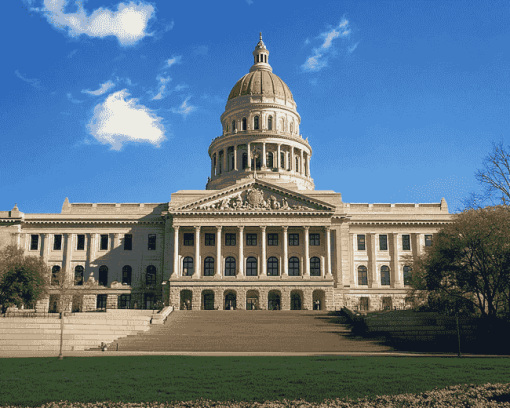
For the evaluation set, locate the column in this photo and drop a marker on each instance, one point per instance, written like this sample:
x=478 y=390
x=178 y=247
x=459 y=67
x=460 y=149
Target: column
x=278 y=164
x=212 y=165
x=308 y=165
x=328 y=252
x=176 y=251
x=307 y=251
x=375 y=278
x=89 y=238
x=116 y=240
x=264 y=261
x=225 y=160
x=323 y=267
x=235 y=157
x=354 y=278
x=396 y=266
x=27 y=242
x=241 y=251
x=219 y=260
x=248 y=154
x=45 y=246
x=69 y=253
x=287 y=165
x=292 y=160
x=217 y=163
x=302 y=164
x=196 y=273
x=285 y=252
x=264 y=155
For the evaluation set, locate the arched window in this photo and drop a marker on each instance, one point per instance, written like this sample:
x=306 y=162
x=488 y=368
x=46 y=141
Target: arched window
x=256 y=123
x=230 y=266
x=385 y=275
x=214 y=163
x=103 y=275
x=293 y=266
x=315 y=266
x=54 y=275
x=209 y=266
x=150 y=276
x=272 y=266
x=244 y=123
x=407 y=275
x=187 y=266
x=251 y=266
x=291 y=127
x=78 y=275
x=269 y=160
x=245 y=160
x=282 y=160
x=126 y=274
x=221 y=161
x=270 y=123
x=233 y=126
x=362 y=275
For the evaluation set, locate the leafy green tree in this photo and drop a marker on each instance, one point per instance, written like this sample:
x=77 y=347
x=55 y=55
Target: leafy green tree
x=468 y=265
x=23 y=279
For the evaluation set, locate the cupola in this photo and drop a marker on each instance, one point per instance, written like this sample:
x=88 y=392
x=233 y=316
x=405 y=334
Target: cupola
x=261 y=56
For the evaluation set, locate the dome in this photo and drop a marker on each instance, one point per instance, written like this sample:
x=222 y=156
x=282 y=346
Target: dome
x=261 y=82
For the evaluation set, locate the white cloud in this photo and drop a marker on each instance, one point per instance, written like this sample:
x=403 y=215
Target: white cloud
x=250 y=2
x=70 y=97
x=201 y=50
x=71 y=54
x=180 y=87
x=163 y=81
x=119 y=119
x=174 y=60
x=104 y=88
x=32 y=81
x=352 y=48
x=184 y=109
x=128 y=23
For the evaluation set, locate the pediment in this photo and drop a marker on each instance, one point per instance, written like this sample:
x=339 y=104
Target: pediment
x=256 y=196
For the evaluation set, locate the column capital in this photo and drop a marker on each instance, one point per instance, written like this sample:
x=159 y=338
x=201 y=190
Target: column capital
x=176 y=227
x=263 y=228
x=219 y=228
x=197 y=228
x=285 y=228
x=241 y=228
x=327 y=228
x=45 y=234
x=306 y=227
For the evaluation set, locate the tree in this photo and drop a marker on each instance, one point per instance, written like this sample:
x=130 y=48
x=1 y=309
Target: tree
x=494 y=178
x=23 y=279
x=468 y=264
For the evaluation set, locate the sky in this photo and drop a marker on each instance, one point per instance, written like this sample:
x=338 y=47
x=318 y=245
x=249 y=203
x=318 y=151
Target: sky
x=117 y=102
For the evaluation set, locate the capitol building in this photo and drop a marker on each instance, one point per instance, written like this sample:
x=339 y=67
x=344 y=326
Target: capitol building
x=258 y=237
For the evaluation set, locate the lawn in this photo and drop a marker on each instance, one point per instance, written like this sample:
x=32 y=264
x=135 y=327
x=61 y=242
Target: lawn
x=34 y=381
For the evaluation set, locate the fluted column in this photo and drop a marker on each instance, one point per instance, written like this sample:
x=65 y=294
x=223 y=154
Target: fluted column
x=285 y=252
x=264 y=250
x=241 y=251
x=308 y=165
x=278 y=160
x=287 y=165
x=69 y=254
x=307 y=251
x=292 y=160
x=375 y=278
x=328 y=252
x=45 y=246
x=212 y=166
x=302 y=164
x=248 y=155
x=235 y=158
x=176 y=251
x=219 y=260
x=264 y=155
x=196 y=274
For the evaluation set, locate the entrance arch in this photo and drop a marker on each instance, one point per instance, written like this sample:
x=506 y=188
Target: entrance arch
x=186 y=299
x=252 y=300
x=274 y=300
x=319 y=300
x=207 y=300
x=296 y=300
x=230 y=300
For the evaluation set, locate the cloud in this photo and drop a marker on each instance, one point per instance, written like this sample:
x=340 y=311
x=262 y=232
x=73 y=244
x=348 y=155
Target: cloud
x=128 y=23
x=163 y=81
x=174 y=60
x=70 y=97
x=250 y=2
x=71 y=54
x=201 y=50
x=34 y=82
x=320 y=55
x=180 y=87
x=119 y=119
x=104 y=88
x=184 y=109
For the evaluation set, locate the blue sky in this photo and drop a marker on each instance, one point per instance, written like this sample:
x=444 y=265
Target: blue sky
x=104 y=101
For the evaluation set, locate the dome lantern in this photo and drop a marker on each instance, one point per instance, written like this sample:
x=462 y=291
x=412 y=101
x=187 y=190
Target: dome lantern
x=261 y=55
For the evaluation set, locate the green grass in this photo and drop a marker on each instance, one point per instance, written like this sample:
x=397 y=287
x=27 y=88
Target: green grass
x=34 y=381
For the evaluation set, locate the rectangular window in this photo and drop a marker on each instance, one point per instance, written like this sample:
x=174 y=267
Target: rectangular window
x=152 y=242
x=34 y=242
x=251 y=239
x=406 y=242
x=128 y=242
x=104 y=242
x=361 y=242
x=272 y=239
x=293 y=239
x=230 y=239
x=210 y=240
x=315 y=239
x=383 y=242
x=428 y=240
x=80 y=244
x=57 y=242
x=189 y=239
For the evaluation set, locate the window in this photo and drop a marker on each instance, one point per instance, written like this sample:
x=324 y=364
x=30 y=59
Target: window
x=126 y=274
x=152 y=242
x=187 y=266
x=406 y=242
x=385 y=275
x=103 y=275
x=363 y=303
x=282 y=160
x=251 y=266
x=383 y=242
x=209 y=266
x=297 y=164
x=230 y=239
x=57 y=242
x=362 y=275
x=361 y=242
x=244 y=123
x=270 y=123
x=272 y=239
x=124 y=301
x=209 y=240
x=245 y=160
x=101 y=301
x=315 y=239
x=272 y=266
x=293 y=239
x=315 y=266
x=34 y=242
x=150 y=276
x=251 y=239
x=269 y=160
x=407 y=275
x=54 y=275
x=189 y=239
x=149 y=301
x=128 y=242
x=233 y=126
x=230 y=265
x=428 y=240
x=80 y=245
x=104 y=242
x=78 y=275
x=293 y=266
x=256 y=123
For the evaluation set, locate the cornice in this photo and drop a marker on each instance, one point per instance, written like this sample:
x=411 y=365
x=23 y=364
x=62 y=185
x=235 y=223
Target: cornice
x=94 y=222
x=407 y=222
x=245 y=213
